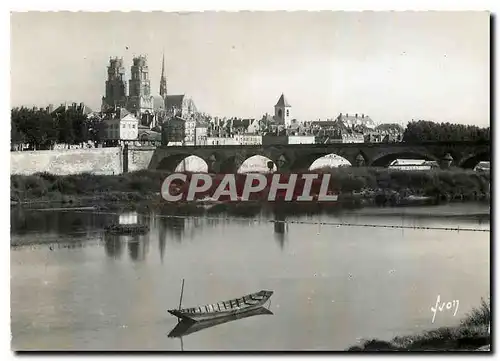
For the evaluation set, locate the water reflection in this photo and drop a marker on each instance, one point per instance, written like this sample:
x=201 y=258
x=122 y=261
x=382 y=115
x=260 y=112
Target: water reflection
x=69 y=299
x=113 y=246
x=26 y=221
x=280 y=229
x=173 y=227
x=187 y=327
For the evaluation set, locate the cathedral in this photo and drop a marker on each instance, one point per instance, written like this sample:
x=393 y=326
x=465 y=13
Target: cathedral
x=150 y=109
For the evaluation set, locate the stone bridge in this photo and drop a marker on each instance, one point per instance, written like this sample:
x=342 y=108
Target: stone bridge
x=299 y=157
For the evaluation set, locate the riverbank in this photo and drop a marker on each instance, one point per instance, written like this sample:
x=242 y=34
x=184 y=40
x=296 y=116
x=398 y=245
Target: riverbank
x=357 y=188
x=473 y=334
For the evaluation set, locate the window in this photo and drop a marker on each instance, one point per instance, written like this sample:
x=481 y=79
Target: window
x=287 y=113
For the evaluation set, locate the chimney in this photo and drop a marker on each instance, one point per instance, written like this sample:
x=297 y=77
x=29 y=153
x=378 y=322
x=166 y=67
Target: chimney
x=347 y=114
x=363 y=116
x=356 y=115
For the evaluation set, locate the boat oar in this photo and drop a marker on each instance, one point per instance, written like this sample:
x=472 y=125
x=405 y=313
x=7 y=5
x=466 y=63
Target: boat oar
x=180 y=300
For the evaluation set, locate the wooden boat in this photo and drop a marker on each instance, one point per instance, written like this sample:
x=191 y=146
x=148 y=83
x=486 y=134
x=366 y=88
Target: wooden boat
x=186 y=327
x=223 y=309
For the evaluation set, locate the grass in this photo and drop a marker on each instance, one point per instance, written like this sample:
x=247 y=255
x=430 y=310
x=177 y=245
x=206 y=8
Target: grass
x=441 y=185
x=472 y=333
x=49 y=187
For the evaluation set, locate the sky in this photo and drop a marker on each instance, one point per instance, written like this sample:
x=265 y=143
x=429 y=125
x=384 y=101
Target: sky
x=392 y=66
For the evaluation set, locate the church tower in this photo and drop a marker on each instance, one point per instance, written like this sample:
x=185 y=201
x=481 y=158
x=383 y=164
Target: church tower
x=163 y=80
x=140 y=100
x=283 y=111
x=116 y=86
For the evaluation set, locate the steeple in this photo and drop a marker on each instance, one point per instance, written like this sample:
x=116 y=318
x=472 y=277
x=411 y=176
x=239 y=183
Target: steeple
x=282 y=111
x=282 y=102
x=163 y=80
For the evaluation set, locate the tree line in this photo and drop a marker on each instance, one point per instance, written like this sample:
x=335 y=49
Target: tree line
x=427 y=131
x=41 y=130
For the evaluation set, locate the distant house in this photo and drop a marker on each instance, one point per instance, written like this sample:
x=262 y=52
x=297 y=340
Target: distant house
x=81 y=108
x=248 y=139
x=353 y=138
x=413 y=164
x=239 y=126
x=180 y=105
x=356 y=120
x=121 y=126
x=221 y=141
x=301 y=139
x=200 y=133
x=253 y=127
x=173 y=131
x=149 y=137
x=190 y=129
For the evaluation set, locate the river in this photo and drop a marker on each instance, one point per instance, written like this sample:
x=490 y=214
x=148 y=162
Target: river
x=73 y=288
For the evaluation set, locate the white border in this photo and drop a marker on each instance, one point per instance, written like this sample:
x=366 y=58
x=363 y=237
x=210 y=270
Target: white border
x=182 y=5
x=228 y=5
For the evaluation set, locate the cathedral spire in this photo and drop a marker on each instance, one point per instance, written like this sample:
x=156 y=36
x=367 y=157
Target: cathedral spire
x=163 y=80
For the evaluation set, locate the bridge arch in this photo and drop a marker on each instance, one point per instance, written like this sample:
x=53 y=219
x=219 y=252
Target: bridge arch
x=471 y=161
x=256 y=163
x=183 y=162
x=385 y=159
x=319 y=159
x=331 y=160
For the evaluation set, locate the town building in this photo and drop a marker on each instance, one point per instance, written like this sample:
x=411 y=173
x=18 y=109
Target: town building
x=180 y=105
x=248 y=139
x=221 y=141
x=253 y=127
x=120 y=127
x=200 y=133
x=353 y=138
x=190 y=129
x=301 y=139
x=80 y=108
x=173 y=131
x=148 y=137
x=356 y=120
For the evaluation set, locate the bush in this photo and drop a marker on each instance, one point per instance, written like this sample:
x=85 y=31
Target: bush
x=479 y=316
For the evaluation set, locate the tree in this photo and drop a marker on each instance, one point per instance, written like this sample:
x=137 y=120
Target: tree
x=427 y=131
x=95 y=129
x=65 y=132
x=34 y=126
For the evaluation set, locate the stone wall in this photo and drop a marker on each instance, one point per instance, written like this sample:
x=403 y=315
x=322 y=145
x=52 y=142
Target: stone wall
x=139 y=158
x=73 y=161
x=97 y=161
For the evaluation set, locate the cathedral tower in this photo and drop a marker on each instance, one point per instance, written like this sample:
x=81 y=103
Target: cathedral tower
x=116 y=85
x=140 y=99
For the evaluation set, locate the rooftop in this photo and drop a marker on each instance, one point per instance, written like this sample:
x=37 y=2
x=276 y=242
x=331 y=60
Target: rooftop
x=282 y=102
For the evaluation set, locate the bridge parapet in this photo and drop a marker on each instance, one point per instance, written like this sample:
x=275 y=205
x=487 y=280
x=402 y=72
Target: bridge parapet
x=297 y=157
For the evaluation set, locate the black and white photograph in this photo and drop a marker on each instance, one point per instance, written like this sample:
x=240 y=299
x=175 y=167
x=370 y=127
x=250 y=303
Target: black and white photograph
x=250 y=181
